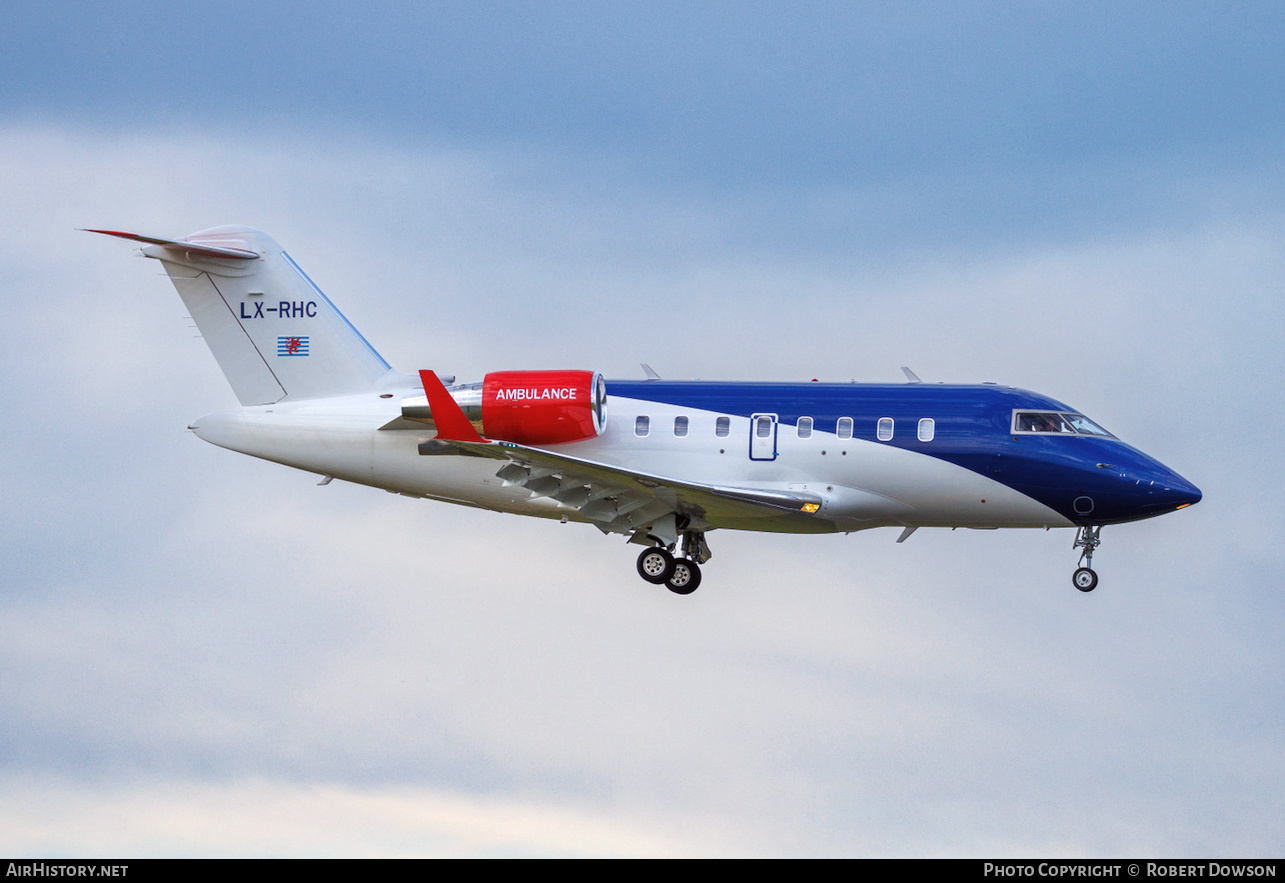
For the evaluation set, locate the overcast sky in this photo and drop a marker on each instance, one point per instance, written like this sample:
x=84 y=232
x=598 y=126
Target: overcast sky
x=205 y=654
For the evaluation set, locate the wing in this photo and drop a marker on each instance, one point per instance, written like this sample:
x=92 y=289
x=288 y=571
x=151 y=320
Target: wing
x=617 y=500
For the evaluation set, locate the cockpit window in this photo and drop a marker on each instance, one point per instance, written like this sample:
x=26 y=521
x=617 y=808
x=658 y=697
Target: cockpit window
x=1084 y=426
x=1056 y=422
x=1040 y=421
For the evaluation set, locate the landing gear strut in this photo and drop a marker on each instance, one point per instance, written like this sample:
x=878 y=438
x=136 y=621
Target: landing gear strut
x=1088 y=539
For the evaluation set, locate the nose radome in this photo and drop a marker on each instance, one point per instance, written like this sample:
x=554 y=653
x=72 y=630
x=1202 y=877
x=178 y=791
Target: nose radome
x=1174 y=490
x=1145 y=488
x=1184 y=492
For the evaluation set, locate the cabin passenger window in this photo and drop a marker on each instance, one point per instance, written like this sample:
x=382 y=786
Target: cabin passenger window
x=885 y=429
x=805 y=427
x=844 y=428
x=680 y=426
x=722 y=427
x=642 y=426
x=927 y=427
x=763 y=427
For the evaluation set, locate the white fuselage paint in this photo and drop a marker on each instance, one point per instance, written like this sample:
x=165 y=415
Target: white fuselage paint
x=863 y=483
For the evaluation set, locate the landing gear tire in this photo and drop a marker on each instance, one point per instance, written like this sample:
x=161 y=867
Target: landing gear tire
x=1085 y=579
x=685 y=578
x=656 y=565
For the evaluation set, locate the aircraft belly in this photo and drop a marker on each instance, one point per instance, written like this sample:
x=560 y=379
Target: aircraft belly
x=328 y=445
x=940 y=493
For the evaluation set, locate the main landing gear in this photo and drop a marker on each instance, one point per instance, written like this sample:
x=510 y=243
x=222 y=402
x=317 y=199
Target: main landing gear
x=1088 y=539
x=680 y=575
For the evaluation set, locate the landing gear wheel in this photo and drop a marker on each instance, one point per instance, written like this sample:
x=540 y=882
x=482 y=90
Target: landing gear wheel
x=685 y=578
x=1085 y=579
x=655 y=565
x=1088 y=538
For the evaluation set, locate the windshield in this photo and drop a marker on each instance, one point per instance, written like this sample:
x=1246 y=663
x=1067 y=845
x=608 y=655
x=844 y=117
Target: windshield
x=1056 y=422
x=1085 y=426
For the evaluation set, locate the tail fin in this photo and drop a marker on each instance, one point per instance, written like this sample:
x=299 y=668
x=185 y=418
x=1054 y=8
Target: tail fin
x=272 y=331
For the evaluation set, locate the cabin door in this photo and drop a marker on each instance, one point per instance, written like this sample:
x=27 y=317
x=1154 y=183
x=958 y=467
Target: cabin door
x=763 y=437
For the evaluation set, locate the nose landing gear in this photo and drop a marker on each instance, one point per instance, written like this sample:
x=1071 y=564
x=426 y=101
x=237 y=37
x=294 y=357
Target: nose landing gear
x=1086 y=538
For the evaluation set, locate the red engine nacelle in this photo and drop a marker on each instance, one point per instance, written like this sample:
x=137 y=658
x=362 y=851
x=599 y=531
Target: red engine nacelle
x=543 y=407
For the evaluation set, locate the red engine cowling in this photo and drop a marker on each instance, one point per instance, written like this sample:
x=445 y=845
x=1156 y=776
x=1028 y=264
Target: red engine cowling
x=543 y=407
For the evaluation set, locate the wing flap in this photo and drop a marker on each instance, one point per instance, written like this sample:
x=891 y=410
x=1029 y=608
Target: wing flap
x=602 y=479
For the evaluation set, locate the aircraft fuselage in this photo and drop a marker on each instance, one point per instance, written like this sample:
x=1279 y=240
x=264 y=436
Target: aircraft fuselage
x=970 y=470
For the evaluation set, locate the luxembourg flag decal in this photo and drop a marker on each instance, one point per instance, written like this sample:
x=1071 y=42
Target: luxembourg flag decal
x=292 y=346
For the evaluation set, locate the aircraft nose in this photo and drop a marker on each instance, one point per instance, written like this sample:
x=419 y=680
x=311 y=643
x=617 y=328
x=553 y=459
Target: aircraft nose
x=1166 y=490
x=1181 y=492
x=1134 y=486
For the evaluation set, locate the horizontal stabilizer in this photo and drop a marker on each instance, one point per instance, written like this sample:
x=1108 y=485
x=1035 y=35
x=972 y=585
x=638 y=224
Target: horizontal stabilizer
x=196 y=248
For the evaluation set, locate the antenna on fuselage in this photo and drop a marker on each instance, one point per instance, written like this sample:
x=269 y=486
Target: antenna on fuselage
x=911 y=376
x=647 y=369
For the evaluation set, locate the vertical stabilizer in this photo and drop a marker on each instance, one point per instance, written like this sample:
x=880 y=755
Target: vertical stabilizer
x=271 y=329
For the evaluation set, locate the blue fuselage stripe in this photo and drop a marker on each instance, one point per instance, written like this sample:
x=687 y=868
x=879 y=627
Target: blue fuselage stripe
x=972 y=429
